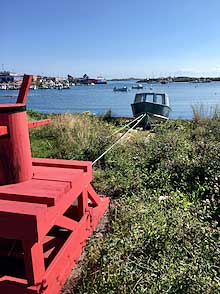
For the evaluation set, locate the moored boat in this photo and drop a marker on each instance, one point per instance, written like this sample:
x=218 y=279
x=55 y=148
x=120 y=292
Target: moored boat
x=33 y=87
x=3 y=87
x=163 y=82
x=123 y=89
x=155 y=105
x=139 y=86
x=101 y=80
x=86 y=80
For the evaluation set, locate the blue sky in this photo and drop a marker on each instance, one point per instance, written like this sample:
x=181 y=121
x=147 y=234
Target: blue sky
x=114 y=38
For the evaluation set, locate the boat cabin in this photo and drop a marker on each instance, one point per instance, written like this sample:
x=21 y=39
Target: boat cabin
x=152 y=97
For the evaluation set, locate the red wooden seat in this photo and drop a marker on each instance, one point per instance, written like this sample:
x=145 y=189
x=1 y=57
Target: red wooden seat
x=48 y=209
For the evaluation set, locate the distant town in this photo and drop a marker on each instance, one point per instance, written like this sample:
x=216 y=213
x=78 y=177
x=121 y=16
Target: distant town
x=12 y=81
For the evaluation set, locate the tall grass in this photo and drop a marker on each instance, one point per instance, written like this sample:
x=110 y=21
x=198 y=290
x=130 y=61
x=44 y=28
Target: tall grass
x=203 y=112
x=82 y=137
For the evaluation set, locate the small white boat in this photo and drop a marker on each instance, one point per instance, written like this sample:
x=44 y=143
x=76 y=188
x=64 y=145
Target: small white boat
x=123 y=89
x=139 y=86
x=33 y=87
x=3 y=87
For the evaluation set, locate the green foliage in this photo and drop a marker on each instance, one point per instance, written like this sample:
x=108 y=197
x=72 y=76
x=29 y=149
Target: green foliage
x=40 y=144
x=163 y=230
x=107 y=116
x=154 y=247
x=164 y=235
x=34 y=115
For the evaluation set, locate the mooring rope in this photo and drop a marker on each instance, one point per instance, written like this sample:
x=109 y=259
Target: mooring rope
x=122 y=128
x=113 y=145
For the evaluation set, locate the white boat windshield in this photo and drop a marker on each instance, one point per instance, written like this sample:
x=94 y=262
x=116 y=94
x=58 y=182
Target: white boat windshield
x=152 y=97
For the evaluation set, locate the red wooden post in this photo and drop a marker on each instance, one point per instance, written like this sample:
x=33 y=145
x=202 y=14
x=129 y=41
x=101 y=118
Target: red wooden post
x=82 y=203
x=22 y=96
x=15 y=151
x=34 y=262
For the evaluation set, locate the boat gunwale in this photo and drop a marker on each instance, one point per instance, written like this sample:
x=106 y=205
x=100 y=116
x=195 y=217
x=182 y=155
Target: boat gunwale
x=154 y=103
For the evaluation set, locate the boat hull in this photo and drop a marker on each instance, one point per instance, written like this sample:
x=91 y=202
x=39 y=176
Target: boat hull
x=155 y=110
x=120 y=89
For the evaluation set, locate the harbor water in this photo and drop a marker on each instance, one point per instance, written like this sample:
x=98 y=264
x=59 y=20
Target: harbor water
x=99 y=99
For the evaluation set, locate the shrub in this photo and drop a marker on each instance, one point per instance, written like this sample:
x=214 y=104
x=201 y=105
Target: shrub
x=163 y=230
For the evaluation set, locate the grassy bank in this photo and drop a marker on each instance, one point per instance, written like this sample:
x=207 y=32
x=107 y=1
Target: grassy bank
x=163 y=230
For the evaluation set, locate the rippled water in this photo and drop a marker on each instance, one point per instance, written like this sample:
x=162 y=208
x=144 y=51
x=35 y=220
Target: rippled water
x=100 y=98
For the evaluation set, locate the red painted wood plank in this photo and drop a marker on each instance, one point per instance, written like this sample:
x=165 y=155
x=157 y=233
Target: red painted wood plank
x=86 y=166
x=56 y=174
x=34 y=262
x=38 y=123
x=93 y=195
x=71 y=176
x=70 y=197
x=66 y=223
x=17 y=207
x=82 y=203
x=13 y=105
x=35 y=191
x=3 y=130
x=21 y=220
x=9 y=285
x=67 y=257
x=22 y=96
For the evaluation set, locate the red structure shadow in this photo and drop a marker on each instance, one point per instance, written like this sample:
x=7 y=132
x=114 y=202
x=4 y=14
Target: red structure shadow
x=48 y=208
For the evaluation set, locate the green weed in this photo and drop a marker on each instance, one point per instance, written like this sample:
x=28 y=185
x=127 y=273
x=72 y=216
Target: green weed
x=163 y=229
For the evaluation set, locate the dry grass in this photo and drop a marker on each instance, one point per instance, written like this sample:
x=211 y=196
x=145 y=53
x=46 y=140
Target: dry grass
x=82 y=137
x=203 y=112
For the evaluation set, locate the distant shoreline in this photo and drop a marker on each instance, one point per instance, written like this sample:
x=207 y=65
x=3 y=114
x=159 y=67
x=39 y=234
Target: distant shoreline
x=183 y=79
